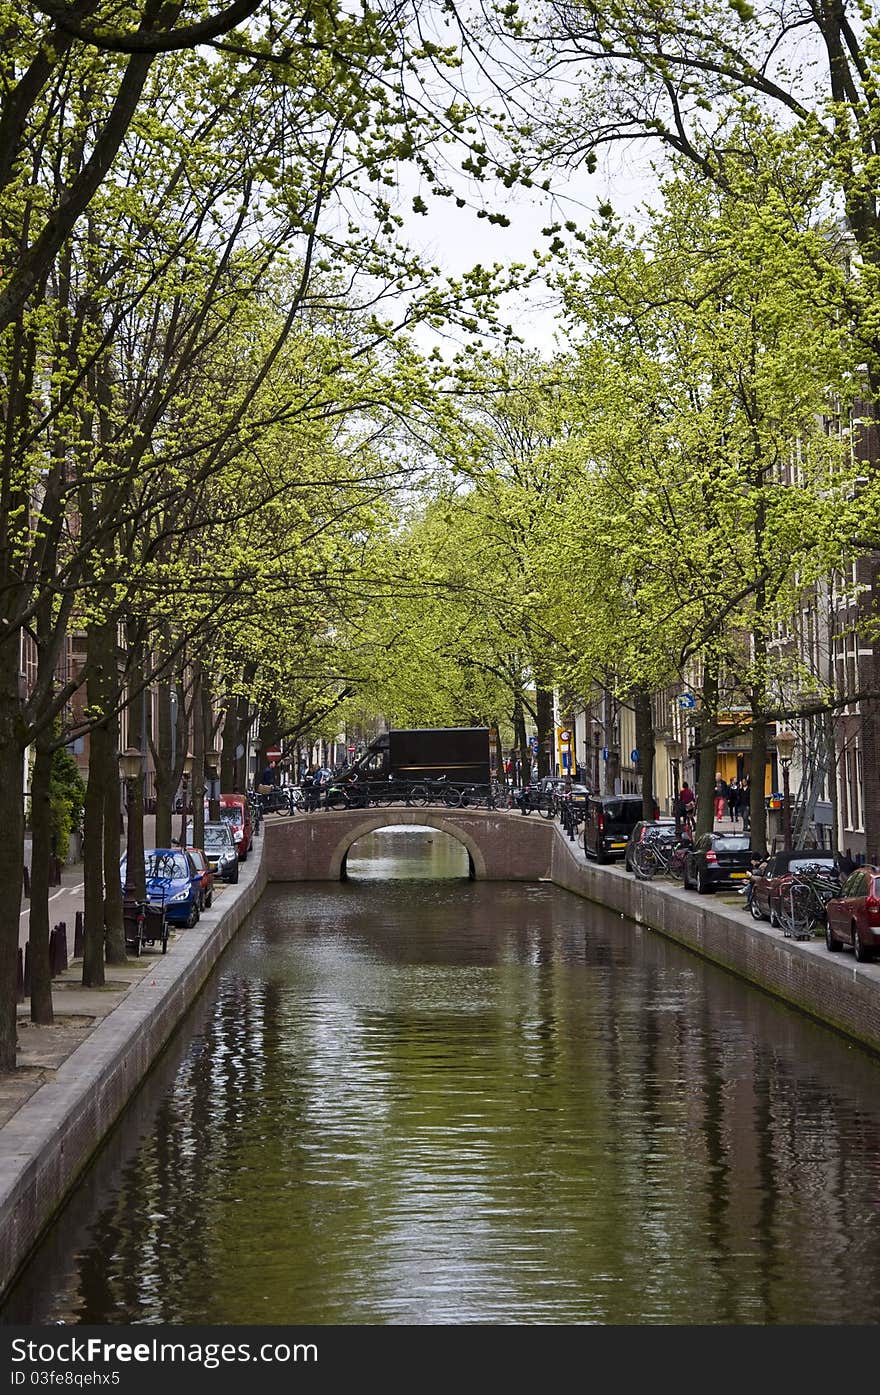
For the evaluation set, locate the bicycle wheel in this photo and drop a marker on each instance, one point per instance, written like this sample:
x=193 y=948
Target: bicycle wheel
x=336 y=799
x=418 y=795
x=452 y=797
x=644 y=862
x=547 y=806
x=798 y=912
x=676 y=864
x=470 y=797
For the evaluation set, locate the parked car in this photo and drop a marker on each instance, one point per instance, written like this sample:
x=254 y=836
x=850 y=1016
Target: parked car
x=558 y=786
x=235 y=810
x=221 y=852
x=644 y=830
x=853 y=917
x=202 y=866
x=173 y=882
x=774 y=874
x=718 y=859
x=609 y=819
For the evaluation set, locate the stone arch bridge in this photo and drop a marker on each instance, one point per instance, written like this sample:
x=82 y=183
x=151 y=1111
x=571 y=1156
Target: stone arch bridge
x=501 y=845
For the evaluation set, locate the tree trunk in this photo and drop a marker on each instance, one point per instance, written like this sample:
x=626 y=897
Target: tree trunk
x=521 y=742
x=645 y=744
x=230 y=740
x=41 y=853
x=544 y=723
x=101 y=657
x=163 y=761
x=757 y=807
x=197 y=782
x=11 y=844
x=114 y=930
x=708 y=750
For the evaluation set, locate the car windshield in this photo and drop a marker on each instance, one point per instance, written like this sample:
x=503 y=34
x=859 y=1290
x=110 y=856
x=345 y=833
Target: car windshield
x=233 y=815
x=216 y=837
x=732 y=844
x=165 y=864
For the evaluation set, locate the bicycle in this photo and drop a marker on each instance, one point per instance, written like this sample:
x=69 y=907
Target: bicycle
x=663 y=855
x=802 y=902
x=436 y=791
x=529 y=799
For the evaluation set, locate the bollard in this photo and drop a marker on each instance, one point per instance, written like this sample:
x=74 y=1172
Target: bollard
x=63 y=960
x=19 y=981
x=78 y=936
x=27 y=882
x=53 y=951
x=27 y=970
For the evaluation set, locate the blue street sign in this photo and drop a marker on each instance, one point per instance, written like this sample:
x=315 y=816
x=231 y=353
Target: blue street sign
x=634 y=756
x=687 y=700
x=604 y=752
x=533 y=742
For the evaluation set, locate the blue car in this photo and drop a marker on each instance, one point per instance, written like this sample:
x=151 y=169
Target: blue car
x=173 y=881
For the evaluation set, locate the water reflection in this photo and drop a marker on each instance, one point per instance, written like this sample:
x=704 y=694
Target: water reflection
x=406 y=852
x=457 y=1102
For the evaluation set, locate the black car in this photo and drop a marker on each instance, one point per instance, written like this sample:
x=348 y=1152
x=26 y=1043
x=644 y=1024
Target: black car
x=609 y=819
x=718 y=859
x=644 y=830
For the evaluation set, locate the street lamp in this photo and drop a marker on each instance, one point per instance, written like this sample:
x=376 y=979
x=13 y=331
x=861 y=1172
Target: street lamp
x=785 y=744
x=131 y=764
x=212 y=760
x=187 y=769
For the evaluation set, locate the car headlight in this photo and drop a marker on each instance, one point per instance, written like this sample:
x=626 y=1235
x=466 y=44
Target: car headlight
x=180 y=896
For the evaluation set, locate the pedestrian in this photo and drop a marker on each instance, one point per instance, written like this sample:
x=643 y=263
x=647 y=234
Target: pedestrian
x=311 y=791
x=745 y=802
x=685 y=807
x=720 y=795
x=733 y=800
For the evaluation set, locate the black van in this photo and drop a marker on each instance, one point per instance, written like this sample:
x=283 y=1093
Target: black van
x=610 y=819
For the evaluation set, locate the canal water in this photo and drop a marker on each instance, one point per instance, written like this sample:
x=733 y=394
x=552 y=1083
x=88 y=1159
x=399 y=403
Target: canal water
x=409 y=1100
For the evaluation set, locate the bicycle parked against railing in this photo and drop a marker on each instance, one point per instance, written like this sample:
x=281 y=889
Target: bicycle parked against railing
x=435 y=792
x=663 y=856
x=530 y=798
x=802 y=901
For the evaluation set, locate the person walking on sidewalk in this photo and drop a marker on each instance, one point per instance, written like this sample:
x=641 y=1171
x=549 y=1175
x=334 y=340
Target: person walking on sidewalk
x=720 y=796
x=733 y=800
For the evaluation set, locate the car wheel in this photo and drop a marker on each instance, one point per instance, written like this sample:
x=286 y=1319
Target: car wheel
x=685 y=879
x=757 y=913
x=233 y=875
x=193 y=917
x=702 y=886
x=210 y=900
x=862 y=953
x=831 y=944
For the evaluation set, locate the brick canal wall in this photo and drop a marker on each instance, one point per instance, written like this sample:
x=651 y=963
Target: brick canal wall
x=50 y=1140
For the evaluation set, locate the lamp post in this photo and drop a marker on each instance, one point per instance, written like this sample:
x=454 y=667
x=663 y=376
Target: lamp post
x=785 y=744
x=212 y=760
x=131 y=764
x=187 y=769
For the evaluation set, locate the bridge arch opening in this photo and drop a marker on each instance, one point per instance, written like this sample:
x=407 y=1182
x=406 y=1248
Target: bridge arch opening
x=419 y=851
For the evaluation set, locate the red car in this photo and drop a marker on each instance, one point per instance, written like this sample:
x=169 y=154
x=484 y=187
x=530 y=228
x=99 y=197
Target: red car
x=773 y=875
x=235 y=809
x=206 y=877
x=854 y=915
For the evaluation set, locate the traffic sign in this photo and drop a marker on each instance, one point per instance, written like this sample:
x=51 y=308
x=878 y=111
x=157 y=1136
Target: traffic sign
x=634 y=757
x=273 y=753
x=564 y=737
x=533 y=742
x=351 y=750
x=687 y=700
x=604 y=752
